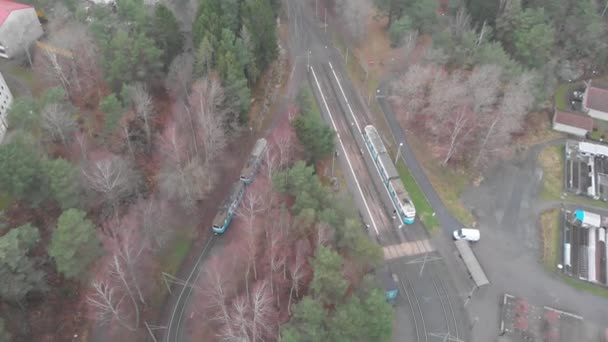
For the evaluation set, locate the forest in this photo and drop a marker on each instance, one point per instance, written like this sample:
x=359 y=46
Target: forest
x=140 y=117
x=108 y=163
x=487 y=65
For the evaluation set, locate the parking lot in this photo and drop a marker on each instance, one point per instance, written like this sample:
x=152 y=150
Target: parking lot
x=506 y=205
x=522 y=321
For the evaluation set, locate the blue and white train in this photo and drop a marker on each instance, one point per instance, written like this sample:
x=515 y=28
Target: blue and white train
x=404 y=207
x=251 y=167
x=227 y=210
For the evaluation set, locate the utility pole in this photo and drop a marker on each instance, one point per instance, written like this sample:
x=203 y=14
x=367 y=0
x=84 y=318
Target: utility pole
x=308 y=60
x=333 y=161
x=346 y=58
x=398 y=152
x=325 y=25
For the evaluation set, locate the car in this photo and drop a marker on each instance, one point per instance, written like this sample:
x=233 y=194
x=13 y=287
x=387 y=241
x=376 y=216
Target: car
x=468 y=234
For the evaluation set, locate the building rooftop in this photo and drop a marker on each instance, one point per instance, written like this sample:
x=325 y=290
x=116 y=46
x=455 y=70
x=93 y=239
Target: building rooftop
x=574 y=120
x=6 y=7
x=597 y=99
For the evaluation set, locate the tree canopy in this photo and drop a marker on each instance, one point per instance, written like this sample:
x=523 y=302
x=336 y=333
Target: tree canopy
x=317 y=138
x=20 y=273
x=74 y=245
x=21 y=176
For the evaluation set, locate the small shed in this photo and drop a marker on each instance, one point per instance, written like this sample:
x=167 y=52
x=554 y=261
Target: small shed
x=572 y=123
x=19 y=28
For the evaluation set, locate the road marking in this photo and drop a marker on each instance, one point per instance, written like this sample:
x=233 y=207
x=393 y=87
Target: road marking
x=344 y=151
x=407 y=249
x=344 y=96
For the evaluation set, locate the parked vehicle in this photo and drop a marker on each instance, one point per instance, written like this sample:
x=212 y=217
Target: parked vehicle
x=468 y=234
x=389 y=282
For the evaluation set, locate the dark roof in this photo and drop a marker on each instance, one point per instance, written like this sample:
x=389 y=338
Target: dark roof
x=597 y=98
x=574 y=120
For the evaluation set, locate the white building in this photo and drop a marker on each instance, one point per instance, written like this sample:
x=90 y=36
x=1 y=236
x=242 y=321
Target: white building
x=19 y=28
x=6 y=99
x=595 y=102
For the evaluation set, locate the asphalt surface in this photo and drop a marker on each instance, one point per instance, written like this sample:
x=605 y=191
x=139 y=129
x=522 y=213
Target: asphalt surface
x=430 y=306
x=506 y=205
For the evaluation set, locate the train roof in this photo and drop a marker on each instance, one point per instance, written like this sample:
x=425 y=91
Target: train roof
x=235 y=192
x=256 y=153
x=402 y=194
x=387 y=163
x=259 y=148
x=375 y=138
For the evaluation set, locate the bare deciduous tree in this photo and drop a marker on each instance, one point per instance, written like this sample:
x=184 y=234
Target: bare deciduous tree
x=285 y=146
x=108 y=304
x=484 y=84
x=58 y=122
x=354 y=14
x=118 y=272
x=462 y=123
x=206 y=101
x=144 y=108
x=71 y=58
x=112 y=177
x=409 y=91
x=215 y=291
x=263 y=311
x=179 y=76
x=251 y=207
x=296 y=273
x=154 y=220
x=183 y=176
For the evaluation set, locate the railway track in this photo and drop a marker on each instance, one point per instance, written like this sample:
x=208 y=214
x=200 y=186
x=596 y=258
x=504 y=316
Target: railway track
x=174 y=325
x=446 y=305
x=414 y=304
x=429 y=319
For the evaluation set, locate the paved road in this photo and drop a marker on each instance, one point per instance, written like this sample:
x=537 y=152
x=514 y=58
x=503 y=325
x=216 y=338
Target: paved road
x=506 y=205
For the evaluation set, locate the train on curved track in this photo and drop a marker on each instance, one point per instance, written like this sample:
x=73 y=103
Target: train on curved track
x=227 y=210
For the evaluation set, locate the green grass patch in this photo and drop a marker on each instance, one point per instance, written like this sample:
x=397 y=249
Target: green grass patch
x=549 y=226
x=447 y=181
x=170 y=260
x=424 y=209
x=561 y=96
x=551 y=159
x=25 y=75
x=177 y=252
x=585 y=286
x=583 y=200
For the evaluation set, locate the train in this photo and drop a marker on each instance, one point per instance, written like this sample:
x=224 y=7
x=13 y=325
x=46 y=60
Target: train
x=251 y=167
x=228 y=208
x=402 y=202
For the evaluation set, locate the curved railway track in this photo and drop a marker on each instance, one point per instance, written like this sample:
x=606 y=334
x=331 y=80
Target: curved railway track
x=174 y=325
x=416 y=310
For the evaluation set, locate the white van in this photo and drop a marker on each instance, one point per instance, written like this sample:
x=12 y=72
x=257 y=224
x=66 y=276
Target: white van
x=468 y=234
